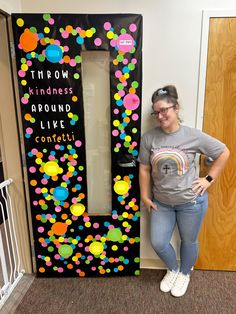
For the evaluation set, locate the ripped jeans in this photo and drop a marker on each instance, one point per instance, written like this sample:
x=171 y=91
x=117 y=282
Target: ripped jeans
x=188 y=218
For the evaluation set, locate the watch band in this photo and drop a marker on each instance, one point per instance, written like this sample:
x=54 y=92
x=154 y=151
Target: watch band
x=209 y=178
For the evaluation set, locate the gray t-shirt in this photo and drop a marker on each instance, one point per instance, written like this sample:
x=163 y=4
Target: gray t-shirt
x=172 y=160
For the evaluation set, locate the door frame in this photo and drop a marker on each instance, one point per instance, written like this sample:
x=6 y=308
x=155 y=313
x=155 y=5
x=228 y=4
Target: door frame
x=206 y=16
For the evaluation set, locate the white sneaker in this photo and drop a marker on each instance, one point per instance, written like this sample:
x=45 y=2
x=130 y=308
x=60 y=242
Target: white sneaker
x=180 y=285
x=168 y=280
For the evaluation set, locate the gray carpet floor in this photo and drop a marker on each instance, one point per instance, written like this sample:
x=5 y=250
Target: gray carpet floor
x=210 y=292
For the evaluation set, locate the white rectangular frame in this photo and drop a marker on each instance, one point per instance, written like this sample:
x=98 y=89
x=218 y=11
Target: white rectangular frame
x=206 y=15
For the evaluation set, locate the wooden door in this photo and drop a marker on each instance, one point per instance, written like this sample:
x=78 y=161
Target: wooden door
x=218 y=235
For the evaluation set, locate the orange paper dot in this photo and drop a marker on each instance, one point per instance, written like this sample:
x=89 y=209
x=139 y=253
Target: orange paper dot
x=59 y=228
x=28 y=41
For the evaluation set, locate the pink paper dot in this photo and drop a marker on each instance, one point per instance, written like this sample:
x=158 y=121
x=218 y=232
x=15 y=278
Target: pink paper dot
x=121 y=93
x=65 y=34
x=134 y=61
x=72 y=63
x=115 y=132
x=37 y=190
x=29 y=63
x=116 y=111
x=44 y=181
x=24 y=100
x=133 y=27
x=135 y=117
x=131 y=101
x=96 y=225
x=107 y=26
x=66 y=48
x=34 y=151
x=79 y=179
x=60 y=270
x=125 y=42
x=51 y=21
x=32 y=169
x=29 y=130
x=118 y=73
x=113 y=42
x=78 y=143
x=21 y=73
x=35 y=203
x=49 y=263
x=97 y=41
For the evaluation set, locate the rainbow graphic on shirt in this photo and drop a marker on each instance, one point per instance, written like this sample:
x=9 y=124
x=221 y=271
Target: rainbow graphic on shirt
x=169 y=161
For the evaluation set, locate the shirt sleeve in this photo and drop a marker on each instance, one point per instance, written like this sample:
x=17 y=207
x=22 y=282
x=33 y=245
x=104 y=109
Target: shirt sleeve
x=210 y=146
x=144 y=151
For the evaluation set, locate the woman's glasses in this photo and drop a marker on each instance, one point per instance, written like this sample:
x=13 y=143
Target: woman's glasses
x=163 y=111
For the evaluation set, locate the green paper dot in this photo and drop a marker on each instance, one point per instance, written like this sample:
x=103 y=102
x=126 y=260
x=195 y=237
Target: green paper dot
x=116 y=149
x=78 y=59
x=137 y=260
x=81 y=168
x=46 y=16
x=74 y=32
x=114 y=234
x=133 y=50
x=50 y=249
x=61 y=29
x=33 y=29
x=120 y=58
x=131 y=66
x=41 y=58
x=123 y=31
x=134 y=130
x=120 y=86
x=75 y=117
x=65 y=250
x=137 y=272
x=23 y=60
x=76 y=76
x=135 y=84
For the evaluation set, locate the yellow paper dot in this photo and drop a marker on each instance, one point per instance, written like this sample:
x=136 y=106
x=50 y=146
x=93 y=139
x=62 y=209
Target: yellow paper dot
x=96 y=248
x=51 y=168
x=20 y=22
x=87 y=224
x=47 y=259
x=77 y=209
x=121 y=187
x=125 y=214
x=116 y=122
x=68 y=222
x=46 y=30
x=24 y=67
x=23 y=82
x=89 y=33
x=114 y=247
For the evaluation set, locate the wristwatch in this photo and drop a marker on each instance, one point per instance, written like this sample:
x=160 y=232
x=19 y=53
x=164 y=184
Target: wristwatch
x=209 y=178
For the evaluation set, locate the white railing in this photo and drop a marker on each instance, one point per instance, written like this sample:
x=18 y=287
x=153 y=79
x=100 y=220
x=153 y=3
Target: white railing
x=10 y=272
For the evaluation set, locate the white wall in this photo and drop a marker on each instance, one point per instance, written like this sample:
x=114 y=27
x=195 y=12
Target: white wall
x=171 y=51
x=10 y=6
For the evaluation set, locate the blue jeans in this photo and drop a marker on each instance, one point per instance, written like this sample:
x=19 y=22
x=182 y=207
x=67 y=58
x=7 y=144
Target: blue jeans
x=188 y=218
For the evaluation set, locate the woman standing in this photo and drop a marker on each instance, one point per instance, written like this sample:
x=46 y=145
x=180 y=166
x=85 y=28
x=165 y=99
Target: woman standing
x=177 y=194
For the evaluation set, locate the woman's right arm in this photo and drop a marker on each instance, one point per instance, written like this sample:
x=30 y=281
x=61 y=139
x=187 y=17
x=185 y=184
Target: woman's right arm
x=144 y=183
